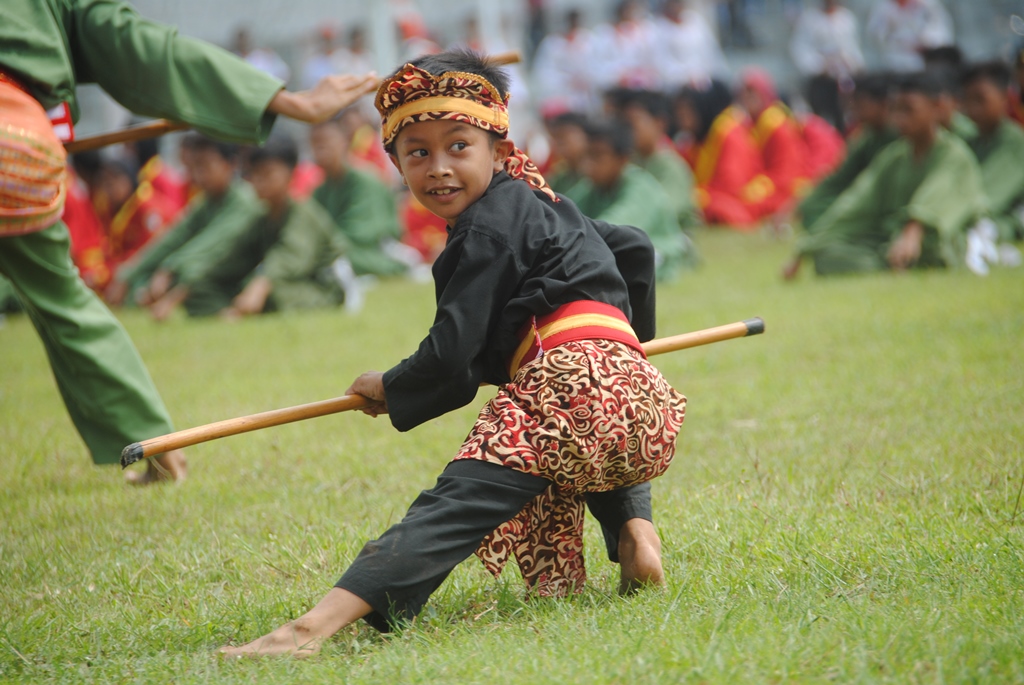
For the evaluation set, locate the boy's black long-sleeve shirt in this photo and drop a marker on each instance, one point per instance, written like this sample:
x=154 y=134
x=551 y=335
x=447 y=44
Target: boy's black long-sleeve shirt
x=513 y=254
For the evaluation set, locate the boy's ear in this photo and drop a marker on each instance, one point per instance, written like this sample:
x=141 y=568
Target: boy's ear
x=502 y=150
x=394 y=161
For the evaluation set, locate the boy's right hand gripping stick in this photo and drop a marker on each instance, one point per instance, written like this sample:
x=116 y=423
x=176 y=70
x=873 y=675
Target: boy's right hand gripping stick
x=243 y=424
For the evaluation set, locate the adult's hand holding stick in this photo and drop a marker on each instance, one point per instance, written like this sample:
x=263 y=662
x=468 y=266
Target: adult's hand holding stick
x=222 y=429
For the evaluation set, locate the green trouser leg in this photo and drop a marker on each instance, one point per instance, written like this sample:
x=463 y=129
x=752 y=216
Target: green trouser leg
x=845 y=258
x=106 y=388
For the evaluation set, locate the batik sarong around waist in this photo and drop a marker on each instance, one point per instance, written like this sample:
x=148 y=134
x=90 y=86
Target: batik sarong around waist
x=32 y=163
x=590 y=416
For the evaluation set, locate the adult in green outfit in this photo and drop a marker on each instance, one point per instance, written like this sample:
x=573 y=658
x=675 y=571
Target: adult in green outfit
x=362 y=207
x=911 y=206
x=281 y=261
x=871 y=110
x=224 y=209
x=648 y=114
x=48 y=47
x=619 y=192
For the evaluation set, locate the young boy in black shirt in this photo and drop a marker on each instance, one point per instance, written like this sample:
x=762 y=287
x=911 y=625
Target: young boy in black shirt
x=549 y=305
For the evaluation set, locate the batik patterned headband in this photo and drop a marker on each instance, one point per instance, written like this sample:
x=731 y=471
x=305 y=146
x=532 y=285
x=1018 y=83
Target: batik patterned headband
x=414 y=95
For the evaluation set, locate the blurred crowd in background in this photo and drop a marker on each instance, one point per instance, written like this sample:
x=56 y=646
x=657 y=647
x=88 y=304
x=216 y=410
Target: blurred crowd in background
x=640 y=119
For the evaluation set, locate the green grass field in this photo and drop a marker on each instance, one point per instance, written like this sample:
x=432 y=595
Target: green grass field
x=845 y=504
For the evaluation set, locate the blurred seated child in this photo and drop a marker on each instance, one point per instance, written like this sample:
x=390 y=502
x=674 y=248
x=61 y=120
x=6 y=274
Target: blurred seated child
x=872 y=135
x=649 y=113
x=362 y=207
x=1016 y=96
x=999 y=147
x=721 y=151
x=282 y=260
x=132 y=212
x=618 y=192
x=778 y=136
x=225 y=208
x=569 y=144
x=911 y=206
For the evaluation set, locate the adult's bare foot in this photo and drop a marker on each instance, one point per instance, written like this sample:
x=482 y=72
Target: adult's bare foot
x=639 y=556
x=292 y=639
x=170 y=467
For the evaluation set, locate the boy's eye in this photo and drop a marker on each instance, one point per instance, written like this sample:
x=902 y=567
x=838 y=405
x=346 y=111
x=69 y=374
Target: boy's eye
x=418 y=153
x=459 y=146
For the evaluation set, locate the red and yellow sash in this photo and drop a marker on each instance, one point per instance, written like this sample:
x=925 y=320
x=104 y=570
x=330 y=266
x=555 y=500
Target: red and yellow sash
x=580 y=320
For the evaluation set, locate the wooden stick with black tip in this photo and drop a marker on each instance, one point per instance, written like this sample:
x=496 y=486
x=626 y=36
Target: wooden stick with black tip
x=154 y=129
x=222 y=429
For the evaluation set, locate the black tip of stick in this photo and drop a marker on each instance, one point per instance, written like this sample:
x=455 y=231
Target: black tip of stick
x=755 y=326
x=131 y=454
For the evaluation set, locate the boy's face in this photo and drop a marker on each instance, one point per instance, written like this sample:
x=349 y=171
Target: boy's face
x=647 y=130
x=116 y=185
x=448 y=165
x=330 y=143
x=604 y=166
x=946 y=105
x=985 y=104
x=686 y=115
x=570 y=143
x=751 y=101
x=914 y=114
x=270 y=179
x=211 y=172
x=870 y=112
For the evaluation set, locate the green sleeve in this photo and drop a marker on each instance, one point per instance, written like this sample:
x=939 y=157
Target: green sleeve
x=1002 y=172
x=855 y=215
x=642 y=202
x=950 y=196
x=307 y=243
x=142 y=267
x=216 y=239
x=371 y=216
x=151 y=70
x=858 y=156
x=676 y=180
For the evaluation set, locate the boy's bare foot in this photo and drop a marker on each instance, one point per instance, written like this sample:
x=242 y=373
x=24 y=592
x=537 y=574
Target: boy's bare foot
x=303 y=637
x=639 y=556
x=170 y=467
x=292 y=639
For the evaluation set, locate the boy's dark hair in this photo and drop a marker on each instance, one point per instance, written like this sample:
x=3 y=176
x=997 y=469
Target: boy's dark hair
x=615 y=98
x=926 y=83
x=615 y=132
x=574 y=119
x=874 y=86
x=279 y=148
x=198 y=142
x=708 y=101
x=467 y=61
x=653 y=102
x=944 y=56
x=995 y=72
x=121 y=165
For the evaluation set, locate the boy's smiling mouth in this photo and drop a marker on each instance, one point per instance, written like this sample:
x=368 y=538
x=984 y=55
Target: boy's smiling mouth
x=445 y=192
